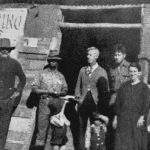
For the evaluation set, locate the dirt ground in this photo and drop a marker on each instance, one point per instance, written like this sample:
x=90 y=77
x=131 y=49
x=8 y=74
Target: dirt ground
x=69 y=145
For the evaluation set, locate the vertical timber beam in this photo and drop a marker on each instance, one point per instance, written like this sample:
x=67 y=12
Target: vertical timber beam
x=144 y=55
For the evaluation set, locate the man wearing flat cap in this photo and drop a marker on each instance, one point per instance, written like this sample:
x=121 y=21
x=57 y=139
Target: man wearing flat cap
x=9 y=93
x=50 y=84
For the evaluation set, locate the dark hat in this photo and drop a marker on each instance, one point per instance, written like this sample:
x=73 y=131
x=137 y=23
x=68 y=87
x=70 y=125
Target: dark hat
x=53 y=55
x=5 y=44
x=100 y=117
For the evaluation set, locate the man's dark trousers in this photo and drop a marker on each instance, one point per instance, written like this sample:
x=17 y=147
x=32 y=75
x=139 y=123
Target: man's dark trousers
x=6 y=110
x=86 y=110
x=72 y=116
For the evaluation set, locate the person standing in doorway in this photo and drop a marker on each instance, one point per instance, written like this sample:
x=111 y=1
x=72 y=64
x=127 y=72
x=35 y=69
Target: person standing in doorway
x=131 y=109
x=117 y=75
x=9 y=94
x=87 y=91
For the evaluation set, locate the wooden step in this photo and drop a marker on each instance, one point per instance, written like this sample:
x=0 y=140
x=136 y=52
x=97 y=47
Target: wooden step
x=21 y=128
x=33 y=56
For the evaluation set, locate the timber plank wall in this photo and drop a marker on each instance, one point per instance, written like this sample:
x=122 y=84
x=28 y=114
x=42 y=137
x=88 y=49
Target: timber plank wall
x=78 y=2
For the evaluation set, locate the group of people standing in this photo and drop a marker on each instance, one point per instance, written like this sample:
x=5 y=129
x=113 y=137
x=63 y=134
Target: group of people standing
x=115 y=103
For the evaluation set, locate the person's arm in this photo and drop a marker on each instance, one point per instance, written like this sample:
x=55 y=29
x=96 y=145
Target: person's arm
x=103 y=93
x=144 y=106
x=37 y=83
x=117 y=107
x=21 y=76
x=78 y=86
x=22 y=81
x=64 y=88
x=115 y=121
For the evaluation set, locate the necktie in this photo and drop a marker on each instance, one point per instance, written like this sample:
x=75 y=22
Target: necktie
x=88 y=70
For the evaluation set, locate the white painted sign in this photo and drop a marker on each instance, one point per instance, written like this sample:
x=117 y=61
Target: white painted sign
x=12 y=21
x=30 y=42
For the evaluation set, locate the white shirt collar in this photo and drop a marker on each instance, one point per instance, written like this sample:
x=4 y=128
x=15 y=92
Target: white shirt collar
x=94 y=67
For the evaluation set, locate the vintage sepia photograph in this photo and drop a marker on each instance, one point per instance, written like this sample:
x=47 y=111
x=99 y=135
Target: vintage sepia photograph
x=74 y=74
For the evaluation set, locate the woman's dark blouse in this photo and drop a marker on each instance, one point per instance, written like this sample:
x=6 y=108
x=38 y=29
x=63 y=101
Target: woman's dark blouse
x=131 y=103
x=132 y=99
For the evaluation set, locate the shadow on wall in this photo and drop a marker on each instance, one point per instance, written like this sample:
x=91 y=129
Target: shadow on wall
x=128 y=15
x=75 y=41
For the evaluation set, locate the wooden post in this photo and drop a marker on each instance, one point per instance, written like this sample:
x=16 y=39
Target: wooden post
x=145 y=47
x=145 y=69
x=145 y=42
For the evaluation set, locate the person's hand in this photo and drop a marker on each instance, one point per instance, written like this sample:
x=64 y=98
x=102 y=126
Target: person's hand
x=79 y=100
x=114 y=124
x=112 y=99
x=79 y=103
x=148 y=128
x=15 y=95
x=140 y=121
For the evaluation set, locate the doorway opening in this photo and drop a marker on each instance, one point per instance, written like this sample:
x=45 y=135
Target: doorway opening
x=75 y=41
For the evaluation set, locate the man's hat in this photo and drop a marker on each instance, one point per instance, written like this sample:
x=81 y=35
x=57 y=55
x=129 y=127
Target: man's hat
x=100 y=117
x=53 y=55
x=5 y=44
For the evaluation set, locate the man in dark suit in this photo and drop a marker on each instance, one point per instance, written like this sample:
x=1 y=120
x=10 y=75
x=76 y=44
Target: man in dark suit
x=92 y=81
x=9 y=94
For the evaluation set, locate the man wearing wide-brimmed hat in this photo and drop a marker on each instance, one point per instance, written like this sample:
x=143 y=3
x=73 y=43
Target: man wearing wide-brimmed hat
x=50 y=84
x=9 y=94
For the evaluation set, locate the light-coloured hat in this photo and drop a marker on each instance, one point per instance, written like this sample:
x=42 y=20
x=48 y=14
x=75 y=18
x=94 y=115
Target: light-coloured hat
x=5 y=44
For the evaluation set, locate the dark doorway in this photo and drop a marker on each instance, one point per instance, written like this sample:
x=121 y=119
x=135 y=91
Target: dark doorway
x=75 y=41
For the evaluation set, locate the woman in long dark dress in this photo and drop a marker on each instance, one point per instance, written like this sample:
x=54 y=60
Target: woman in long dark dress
x=131 y=110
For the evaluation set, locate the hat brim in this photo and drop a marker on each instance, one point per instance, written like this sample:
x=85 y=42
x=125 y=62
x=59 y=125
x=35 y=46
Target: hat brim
x=102 y=118
x=54 y=59
x=7 y=48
